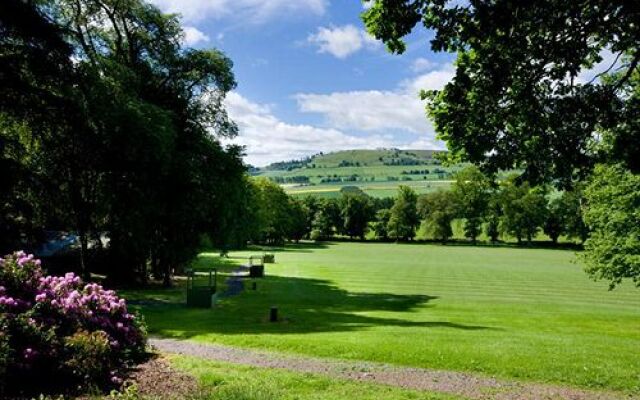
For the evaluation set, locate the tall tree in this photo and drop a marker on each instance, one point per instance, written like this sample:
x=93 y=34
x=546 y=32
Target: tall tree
x=124 y=133
x=403 y=216
x=517 y=79
x=554 y=224
x=298 y=214
x=274 y=211
x=381 y=223
x=471 y=193
x=438 y=209
x=612 y=252
x=356 y=212
x=524 y=209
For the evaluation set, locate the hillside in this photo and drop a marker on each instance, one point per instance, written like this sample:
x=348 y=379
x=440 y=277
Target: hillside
x=358 y=158
x=367 y=158
x=377 y=172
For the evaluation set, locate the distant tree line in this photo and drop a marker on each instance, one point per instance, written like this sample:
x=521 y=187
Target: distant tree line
x=289 y=165
x=508 y=209
x=290 y=179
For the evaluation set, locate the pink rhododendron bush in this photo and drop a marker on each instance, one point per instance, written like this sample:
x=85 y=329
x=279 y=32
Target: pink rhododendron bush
x=57 y=333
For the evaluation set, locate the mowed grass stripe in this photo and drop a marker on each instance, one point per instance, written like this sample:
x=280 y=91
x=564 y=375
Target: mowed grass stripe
x=517 y=313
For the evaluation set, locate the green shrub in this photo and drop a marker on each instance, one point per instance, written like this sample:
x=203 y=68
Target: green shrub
x=88 y=355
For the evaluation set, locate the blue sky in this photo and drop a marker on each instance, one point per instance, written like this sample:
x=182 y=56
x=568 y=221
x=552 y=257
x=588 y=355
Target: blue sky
x=310 y=79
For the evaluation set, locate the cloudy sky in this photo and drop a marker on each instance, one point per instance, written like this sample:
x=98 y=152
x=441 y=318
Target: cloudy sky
x=310 y=79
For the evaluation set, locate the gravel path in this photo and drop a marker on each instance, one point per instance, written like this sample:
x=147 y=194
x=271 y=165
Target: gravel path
x=456 y=383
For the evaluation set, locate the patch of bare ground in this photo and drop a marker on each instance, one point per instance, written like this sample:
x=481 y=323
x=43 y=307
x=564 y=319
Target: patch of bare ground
x=462 y=384
x=156 y=379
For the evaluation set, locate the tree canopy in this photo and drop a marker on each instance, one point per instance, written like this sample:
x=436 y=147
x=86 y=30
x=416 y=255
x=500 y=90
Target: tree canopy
x=115 y=128
x=518 y=80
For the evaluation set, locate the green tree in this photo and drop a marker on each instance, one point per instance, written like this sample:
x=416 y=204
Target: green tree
x=438 y=210
x=574 y=225
x=403 y=218
x=356 y=212
x=274 y=211
x=554 y=224
x=380 y=224
x=124 y=134
x=298 y=215
x=612 y=252
x=516 y=80
x=494 y=216
x=471 y=193
x=327 y=220
x=312 y=206
x=524 y=209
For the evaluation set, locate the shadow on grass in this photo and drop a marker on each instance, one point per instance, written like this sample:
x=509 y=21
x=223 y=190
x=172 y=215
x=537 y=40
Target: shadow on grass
x=305 y=306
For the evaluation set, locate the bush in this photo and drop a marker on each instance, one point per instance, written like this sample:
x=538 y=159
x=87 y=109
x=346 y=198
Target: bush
x=59 y=333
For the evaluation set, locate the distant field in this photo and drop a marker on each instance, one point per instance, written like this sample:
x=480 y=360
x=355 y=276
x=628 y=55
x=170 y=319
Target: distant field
x=371 y=157
x=377 y=172
x=374 y=189
x=529 y=314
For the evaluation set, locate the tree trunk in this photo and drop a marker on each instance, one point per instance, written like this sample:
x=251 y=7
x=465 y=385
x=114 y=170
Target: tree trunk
x=84 y=271
x=166 y=275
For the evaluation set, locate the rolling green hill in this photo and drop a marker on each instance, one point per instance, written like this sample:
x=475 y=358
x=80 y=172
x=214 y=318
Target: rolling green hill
x=369 y=158
x=377 y=172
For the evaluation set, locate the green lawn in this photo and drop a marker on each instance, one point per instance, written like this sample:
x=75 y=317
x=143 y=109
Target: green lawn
x=528 y=314
x=223 y=381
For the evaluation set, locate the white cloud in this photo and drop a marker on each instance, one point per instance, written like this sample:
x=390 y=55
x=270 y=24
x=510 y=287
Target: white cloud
x=193 y=36
x=378 y=111
x=421 y=64
x=341 y=41
x=432 y=80
x=367 y=110
x=268 y=139
x=248 y=10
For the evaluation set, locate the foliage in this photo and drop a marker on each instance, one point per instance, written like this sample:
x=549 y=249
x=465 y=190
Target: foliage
x=493 y=217
x=298 y=220
x=273 y=211
x=403 y=216
x=60 y=332
x=516 y=80
x=438 y=209
x=572 y=209
x=554 y=224
x=121 y=138
x=356 y=211
x=327 y=220
x=612 y=252
x=524 y=209
x=381 y=223
x=471 y=194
